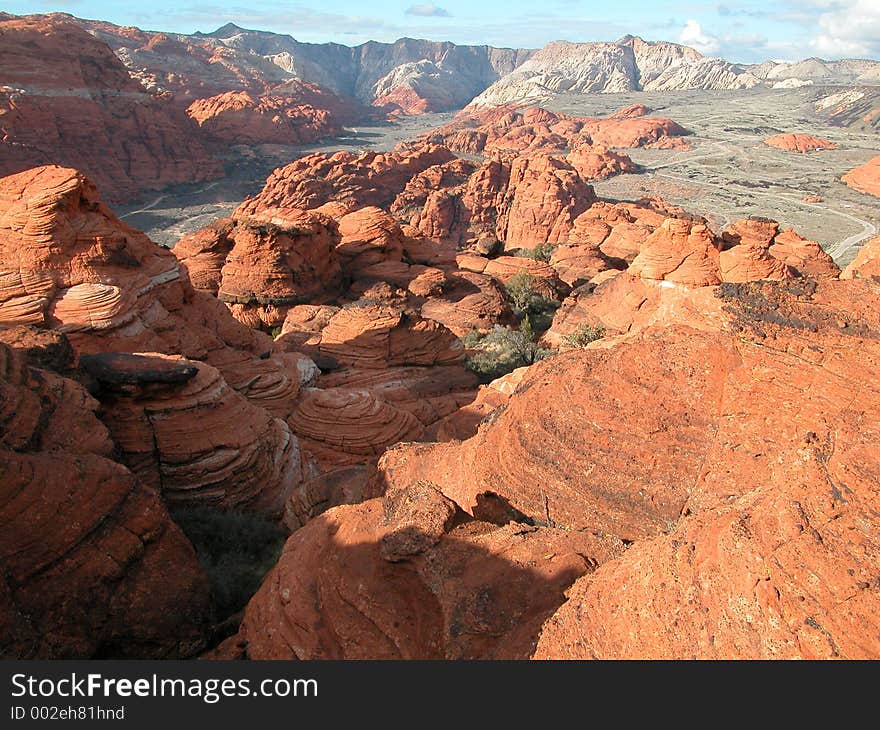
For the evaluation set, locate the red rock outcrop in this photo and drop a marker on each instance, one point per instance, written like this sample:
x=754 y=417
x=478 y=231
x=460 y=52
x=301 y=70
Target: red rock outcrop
x=382 y=337
x=351 y=181
x=183 y=431
x=799 y=143
x=866 y=263
x=800 y=255
x=91 y=563
x=240 y=117
x=865 y=178
x=275 y=259
x=432 y=583
x=758 y=511
x=681 y=251
x=342 y=425
x=771 y=557
x=368 y=236
x=531 y=129
x=70 y=264
x=68 y=100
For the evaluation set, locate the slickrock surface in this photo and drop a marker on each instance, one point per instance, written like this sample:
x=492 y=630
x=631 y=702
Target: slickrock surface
x=432 y=583
x=69 y=100
x=865 y=178
x=774 y=555
x=783 y=489
x=799 y=143
x=92 y=564
x=182 y=430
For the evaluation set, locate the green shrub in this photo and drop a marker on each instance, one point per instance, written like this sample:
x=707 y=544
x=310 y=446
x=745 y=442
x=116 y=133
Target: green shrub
x=275 y=332
x=528 y=303
x=236 y=551
x=502 y=350
x=541 y=252
x=583 y=335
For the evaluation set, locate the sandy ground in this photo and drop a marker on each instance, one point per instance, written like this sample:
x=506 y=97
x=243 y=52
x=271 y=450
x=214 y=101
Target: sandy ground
x=729 y=173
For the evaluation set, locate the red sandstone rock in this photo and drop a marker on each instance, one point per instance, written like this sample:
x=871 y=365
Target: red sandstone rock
x=679 y=251
x=70 y=264
x=368 y=236
x=182 y=430
x=865 y=178
x=239 y=117
x=757 y=484
x=278 y=258
x=72 y=102
x=766 y=560
x=91 y=563
x=372 y=178
x=799 y=143
x=531 y=129
x=342 y=426
x=800 y=255
x=380 y=337
x=866 y=262
x=428 y=586
x=631 y=111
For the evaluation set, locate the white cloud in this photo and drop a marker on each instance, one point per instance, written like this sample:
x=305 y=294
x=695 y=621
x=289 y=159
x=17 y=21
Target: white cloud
x=428 y=10
x=694 y=36
x=849 y=28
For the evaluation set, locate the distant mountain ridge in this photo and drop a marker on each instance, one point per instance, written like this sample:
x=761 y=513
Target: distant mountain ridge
x=416 y=75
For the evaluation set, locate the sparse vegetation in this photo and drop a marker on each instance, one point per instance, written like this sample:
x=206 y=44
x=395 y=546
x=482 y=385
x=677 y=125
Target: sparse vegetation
x=528 y=303
x=236 y=551
x=541 y=252
x=583 y=335
x=275 y=332
x=503 y=350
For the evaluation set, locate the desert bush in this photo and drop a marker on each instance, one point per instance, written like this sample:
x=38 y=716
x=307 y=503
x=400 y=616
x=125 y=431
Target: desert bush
x=235 y=549
x=583 y=335
x=541 y=252
x=528 y=303
x=502 y=350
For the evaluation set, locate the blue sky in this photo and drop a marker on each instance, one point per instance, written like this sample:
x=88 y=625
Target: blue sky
x=739 y=30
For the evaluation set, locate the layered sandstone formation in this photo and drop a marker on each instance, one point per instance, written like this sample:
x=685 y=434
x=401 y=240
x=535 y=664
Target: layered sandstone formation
x=260 y=265
x=92 y=564
x=866 y=262
x=68 y=100
x=865 y=178
x=70 y=264
x=630 y=64
x=239 y=117
x=799 y=143
x=781 y=490
x=532 y=129
x=183 y=431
